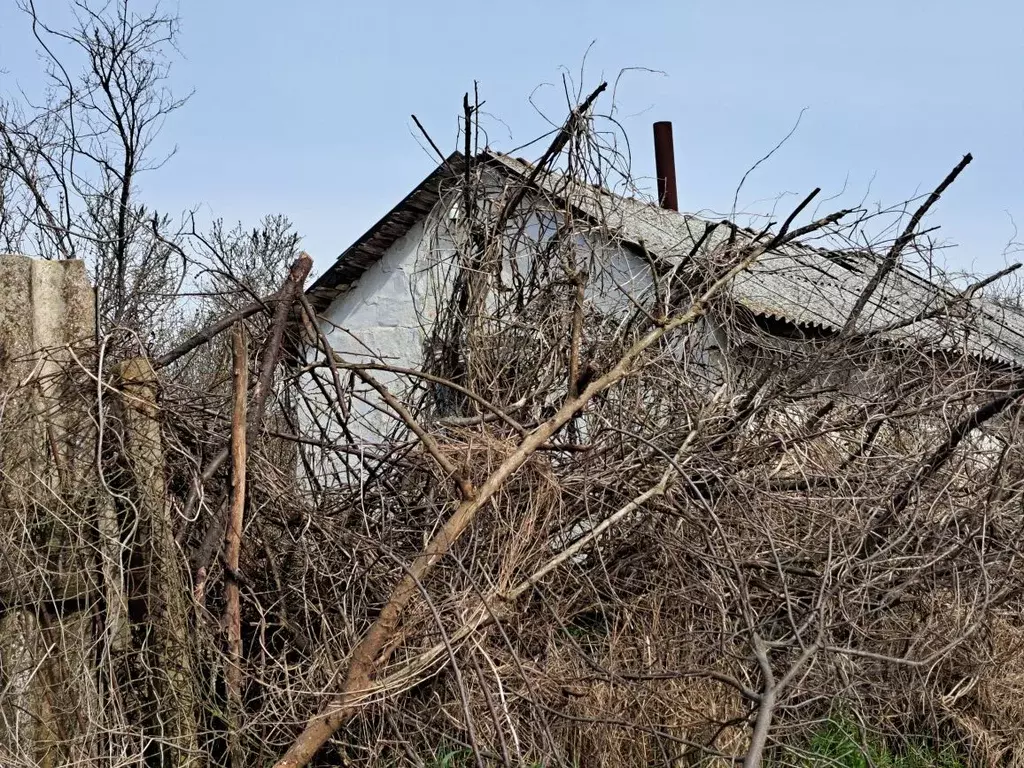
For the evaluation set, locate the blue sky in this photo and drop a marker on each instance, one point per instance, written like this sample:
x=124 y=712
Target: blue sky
x=303 y=108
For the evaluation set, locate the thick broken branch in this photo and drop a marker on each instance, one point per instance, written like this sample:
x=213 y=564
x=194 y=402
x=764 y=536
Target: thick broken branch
x=892 y=257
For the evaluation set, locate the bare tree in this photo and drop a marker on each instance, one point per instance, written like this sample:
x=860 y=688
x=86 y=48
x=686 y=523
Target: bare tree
x=80 y=155
x=71 y=171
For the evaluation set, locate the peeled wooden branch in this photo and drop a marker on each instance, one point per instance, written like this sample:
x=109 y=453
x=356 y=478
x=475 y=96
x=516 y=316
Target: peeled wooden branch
x=289 y=293
x=287 y=296
x=233 y=533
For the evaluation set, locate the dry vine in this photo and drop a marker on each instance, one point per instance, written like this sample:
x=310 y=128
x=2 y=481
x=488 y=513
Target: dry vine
x=575 y=536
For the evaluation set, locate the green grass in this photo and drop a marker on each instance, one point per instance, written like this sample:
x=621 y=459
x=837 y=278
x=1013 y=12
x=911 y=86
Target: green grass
x=451 y=758
x=838 y=743
x=462 y=758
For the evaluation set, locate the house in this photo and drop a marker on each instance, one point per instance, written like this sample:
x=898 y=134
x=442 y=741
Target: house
x=381 y=299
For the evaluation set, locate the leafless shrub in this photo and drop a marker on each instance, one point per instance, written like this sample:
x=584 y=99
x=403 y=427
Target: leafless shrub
x=618 y=517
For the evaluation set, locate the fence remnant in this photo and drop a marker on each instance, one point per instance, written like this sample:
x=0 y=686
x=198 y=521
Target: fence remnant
x=46 y=310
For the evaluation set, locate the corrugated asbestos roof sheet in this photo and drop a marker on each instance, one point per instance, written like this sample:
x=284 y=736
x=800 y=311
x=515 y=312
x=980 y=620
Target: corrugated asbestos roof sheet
x=798 y=284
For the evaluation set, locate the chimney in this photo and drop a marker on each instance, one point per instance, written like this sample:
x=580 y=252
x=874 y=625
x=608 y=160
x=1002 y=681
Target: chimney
x=665 y=166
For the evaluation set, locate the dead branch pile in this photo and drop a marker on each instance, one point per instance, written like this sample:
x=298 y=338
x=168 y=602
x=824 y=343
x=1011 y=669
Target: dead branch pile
x=614 y=519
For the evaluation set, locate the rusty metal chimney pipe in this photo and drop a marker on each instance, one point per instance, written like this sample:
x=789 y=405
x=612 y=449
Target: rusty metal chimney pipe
x=665 y=165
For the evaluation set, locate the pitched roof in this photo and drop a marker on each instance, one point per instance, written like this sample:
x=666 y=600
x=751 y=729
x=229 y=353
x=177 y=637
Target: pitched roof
x=798 y=284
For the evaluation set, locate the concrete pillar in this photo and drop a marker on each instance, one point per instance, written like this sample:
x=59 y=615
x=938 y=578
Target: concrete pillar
x=46 y=570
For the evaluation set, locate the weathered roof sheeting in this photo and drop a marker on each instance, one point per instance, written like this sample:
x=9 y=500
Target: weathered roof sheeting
x=812 y=287
x=798 y=284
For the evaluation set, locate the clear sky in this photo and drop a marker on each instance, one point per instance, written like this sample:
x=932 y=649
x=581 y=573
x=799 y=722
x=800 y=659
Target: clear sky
x=303 y=107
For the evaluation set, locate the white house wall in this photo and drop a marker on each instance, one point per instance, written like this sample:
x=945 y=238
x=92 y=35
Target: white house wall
x=378 y=320
x=379 y=313
x=385 y=315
